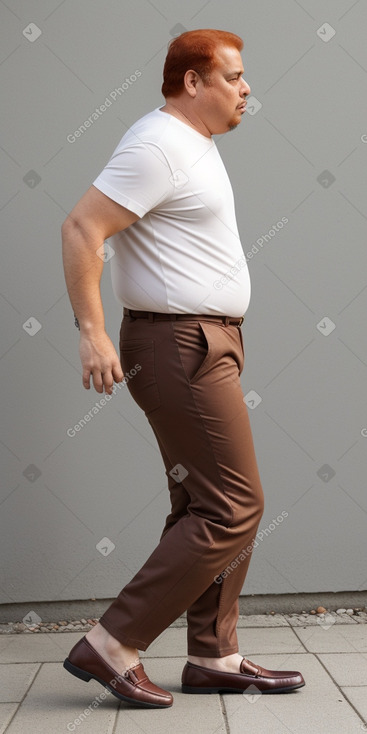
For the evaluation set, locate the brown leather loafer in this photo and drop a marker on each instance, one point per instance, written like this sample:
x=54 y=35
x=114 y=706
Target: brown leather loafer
x=197 y=679
x=133 y=686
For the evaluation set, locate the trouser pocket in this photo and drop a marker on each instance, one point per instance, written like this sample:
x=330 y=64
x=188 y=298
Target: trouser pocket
x=196 y=344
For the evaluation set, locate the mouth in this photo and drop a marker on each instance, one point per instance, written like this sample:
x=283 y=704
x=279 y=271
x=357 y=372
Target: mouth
x=242 y=106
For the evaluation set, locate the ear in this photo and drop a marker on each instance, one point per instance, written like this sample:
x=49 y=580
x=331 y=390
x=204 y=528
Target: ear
x=191 y=79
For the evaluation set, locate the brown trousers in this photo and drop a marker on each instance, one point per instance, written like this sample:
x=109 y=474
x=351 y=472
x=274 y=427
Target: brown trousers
x=189 y=388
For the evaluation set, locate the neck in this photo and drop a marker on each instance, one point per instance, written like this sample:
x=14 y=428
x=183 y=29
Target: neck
x=176 y=110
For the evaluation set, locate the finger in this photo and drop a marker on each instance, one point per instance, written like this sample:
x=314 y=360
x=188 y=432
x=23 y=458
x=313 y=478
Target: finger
x=85 y=379
x=98 y=380
x=117 y=372
x=107 y=381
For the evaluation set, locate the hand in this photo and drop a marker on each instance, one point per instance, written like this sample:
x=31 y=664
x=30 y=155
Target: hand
x=99 y=359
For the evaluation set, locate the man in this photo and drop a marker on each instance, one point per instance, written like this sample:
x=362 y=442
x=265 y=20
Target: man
x=166 y=200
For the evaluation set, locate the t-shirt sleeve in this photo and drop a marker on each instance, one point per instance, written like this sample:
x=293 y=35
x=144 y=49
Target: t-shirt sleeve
x=137 y=177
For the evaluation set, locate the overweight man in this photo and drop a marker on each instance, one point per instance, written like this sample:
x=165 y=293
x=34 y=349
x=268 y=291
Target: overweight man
x=165 y=200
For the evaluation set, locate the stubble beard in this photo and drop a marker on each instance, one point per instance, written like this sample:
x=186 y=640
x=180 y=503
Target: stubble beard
x=234 y=125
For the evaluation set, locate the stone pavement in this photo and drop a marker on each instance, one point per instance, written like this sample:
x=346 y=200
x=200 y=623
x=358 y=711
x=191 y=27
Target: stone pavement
x=38 y=696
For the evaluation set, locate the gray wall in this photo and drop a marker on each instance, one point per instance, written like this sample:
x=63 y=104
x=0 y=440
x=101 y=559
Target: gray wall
x=301 y=155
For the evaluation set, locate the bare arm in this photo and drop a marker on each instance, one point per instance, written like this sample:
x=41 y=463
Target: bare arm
x=94 y=218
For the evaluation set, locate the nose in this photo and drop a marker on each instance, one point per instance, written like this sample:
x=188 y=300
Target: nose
x=245 y=88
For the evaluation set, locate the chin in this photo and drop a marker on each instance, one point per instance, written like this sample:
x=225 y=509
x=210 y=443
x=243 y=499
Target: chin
x=227 y=127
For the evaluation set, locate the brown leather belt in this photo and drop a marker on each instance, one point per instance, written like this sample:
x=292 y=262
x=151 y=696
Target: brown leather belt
x=152 y=316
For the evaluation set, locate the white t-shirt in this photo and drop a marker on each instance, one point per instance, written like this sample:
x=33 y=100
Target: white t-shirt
x=184 y=254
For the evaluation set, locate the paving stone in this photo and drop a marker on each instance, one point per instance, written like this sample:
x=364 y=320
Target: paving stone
x=268 y=640
x=318 y=619
x=317 y=707
x=347 y=669
x=253 y=620
x=263 y=620
x=338 y=638
x=357 y=695
x=171 y=643
x=7 y=710
x=180 y=622
x=43 y=648
x=56 y=699
x=199 y=714
x=5 y=629
x=15 y=680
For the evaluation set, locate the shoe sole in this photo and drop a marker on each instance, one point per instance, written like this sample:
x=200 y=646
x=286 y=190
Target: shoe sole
x=285 y=689
x=85 y=676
